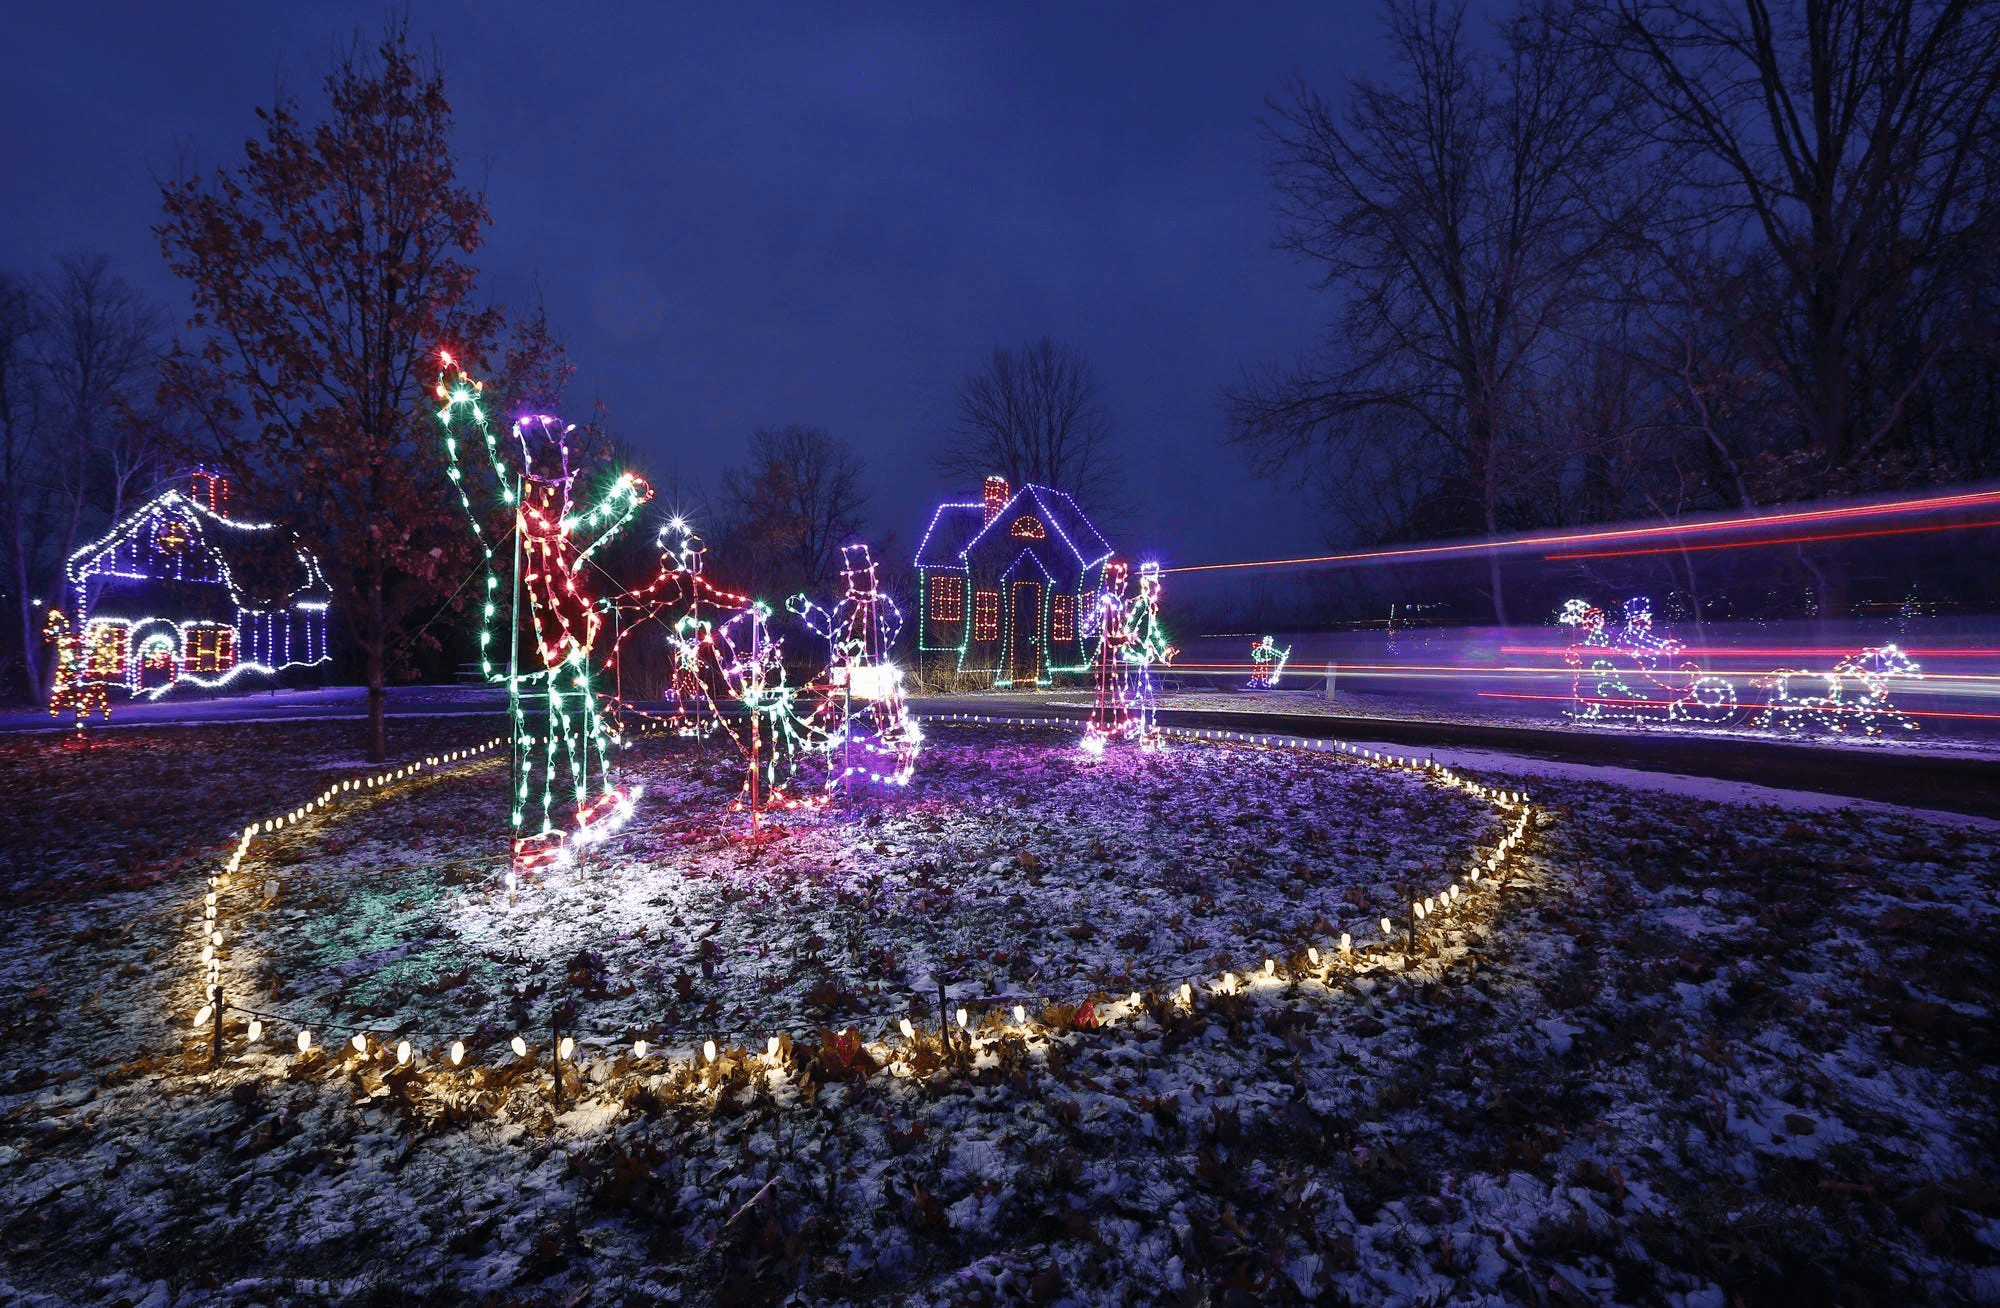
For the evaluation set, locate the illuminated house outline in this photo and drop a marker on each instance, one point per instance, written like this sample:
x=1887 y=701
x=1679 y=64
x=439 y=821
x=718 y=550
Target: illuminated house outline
x=180 y=591
x=1002 y=584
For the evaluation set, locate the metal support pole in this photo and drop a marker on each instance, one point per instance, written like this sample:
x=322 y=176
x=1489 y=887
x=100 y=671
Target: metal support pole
x=514 y=678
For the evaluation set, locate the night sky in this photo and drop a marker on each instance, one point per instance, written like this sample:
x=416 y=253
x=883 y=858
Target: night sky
x=807 y=213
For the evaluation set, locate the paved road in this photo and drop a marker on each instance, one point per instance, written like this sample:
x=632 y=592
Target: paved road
x=1917 y=777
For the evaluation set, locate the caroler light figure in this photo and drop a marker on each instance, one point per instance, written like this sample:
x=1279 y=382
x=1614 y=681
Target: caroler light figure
x=553 y=544
x=869 y=732
x=1110 y=711
x=1145 y=645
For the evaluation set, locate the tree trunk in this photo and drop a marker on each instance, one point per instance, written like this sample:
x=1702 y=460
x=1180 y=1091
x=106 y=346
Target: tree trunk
x=375 y=652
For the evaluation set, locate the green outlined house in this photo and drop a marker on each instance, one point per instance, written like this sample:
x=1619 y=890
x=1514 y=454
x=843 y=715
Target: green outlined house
x=1002 y=585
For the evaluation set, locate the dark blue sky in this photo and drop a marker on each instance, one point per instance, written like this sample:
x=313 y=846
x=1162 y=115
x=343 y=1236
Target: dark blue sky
x=806 y=213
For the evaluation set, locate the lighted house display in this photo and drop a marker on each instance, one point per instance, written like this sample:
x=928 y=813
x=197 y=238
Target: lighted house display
x=1000 y=584
x=181 y=591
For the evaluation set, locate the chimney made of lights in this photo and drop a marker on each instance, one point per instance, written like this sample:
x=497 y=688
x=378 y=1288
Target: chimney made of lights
x=209 y=488
x=996 y=498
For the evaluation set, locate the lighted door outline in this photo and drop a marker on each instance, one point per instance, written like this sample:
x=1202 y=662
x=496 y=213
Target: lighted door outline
x=1024 y=653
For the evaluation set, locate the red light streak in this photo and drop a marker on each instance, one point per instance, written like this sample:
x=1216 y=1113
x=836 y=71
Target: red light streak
x=1777 y=540
x=1776 y=651
x=1541 y=670
x=1749 y=522
x=1649 y=703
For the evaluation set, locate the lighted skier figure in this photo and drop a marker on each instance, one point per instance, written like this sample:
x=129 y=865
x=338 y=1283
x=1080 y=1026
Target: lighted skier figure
x=1145 y=645
x=1270 y=662
x=554 y=545
x=1110 y=712
x=860 y=630
x=73 y=689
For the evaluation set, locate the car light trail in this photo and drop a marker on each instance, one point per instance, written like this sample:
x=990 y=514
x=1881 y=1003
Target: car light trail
x=1565 y=539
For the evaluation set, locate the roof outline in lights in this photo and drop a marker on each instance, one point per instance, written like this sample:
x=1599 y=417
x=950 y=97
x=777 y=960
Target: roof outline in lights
x=1052 y=515
x=937 y=515
x=76 y=566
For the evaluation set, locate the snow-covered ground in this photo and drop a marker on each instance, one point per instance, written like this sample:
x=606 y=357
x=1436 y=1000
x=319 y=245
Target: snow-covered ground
x=1693 y=1049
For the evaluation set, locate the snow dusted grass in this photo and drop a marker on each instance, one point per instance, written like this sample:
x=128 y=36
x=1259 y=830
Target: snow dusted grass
x=1693 y=1050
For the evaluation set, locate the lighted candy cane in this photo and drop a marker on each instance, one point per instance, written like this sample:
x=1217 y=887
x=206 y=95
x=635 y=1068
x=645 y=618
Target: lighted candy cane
x=553 y=543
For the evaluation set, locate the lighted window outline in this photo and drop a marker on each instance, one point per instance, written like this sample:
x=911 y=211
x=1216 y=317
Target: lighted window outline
x=106 y=651
x=1062 y=616
x=985 y=615
x=1028 y=527
x=210 y=649
x=947 y=598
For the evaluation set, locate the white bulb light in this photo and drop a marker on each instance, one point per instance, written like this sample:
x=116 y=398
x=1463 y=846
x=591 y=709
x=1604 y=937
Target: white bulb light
x=402 y=1053
x=638 y=1049
x=457 y=1052
x=256 y=1031
x=520 y=1047
x=908 y=1030
x=566 y=1048
x=361 y=1044
x=771 y=1047
x=708 y=1050
x=1020 y=1015
x=305 y=1041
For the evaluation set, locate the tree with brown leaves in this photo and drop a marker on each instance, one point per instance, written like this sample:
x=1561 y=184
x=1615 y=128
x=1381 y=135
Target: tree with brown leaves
x=325 y=267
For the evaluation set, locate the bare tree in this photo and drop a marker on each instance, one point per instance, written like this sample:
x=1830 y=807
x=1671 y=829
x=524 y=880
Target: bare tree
x=99 y=345
x=1036 y=413
x=1843 y=152
x=23 y=485
x=1456 y=210
x=791 y=507
x=79 y=431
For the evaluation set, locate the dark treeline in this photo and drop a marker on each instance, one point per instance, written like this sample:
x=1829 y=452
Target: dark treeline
x=1624 y=261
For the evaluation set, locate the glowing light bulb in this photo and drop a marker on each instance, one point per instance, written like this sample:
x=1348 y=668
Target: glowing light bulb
x=1386 y=929
x=402 y=1053
x=961 y=1017
x=1270 y=967
x=305 y=1041
x=1187 y=993
x=566 y=1048
x=708 y=1050
x=457 y=1052
x=1312 y=955
x=202 y=1014
x=520 y=1047
x=771 y=1047
x=1020 y=1015
x=256 y=1031
x=360 y=1043
x=638 y=1049
x=1346 y=942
